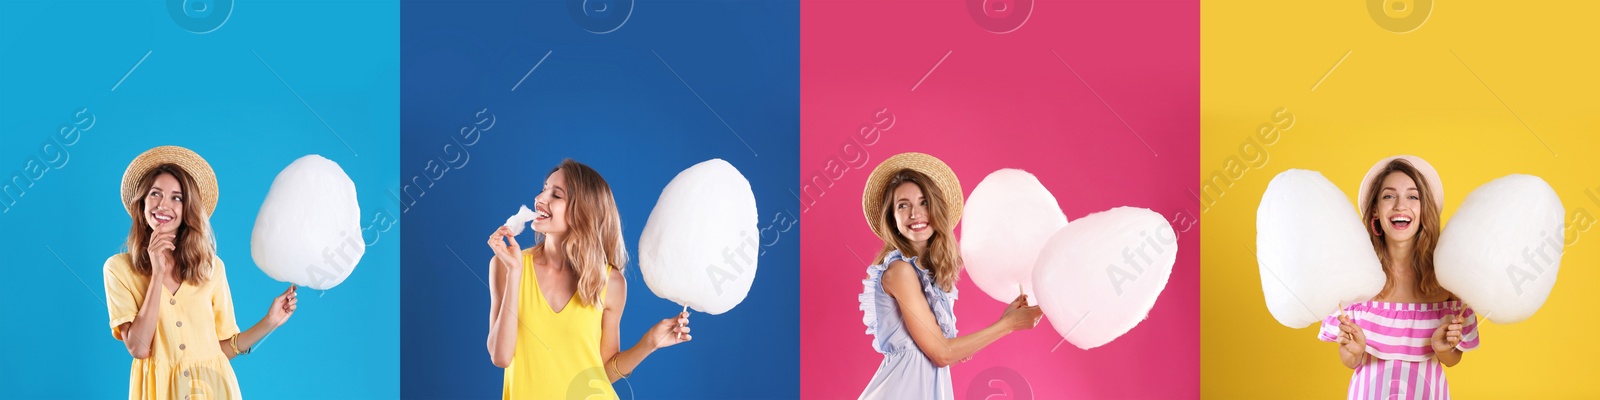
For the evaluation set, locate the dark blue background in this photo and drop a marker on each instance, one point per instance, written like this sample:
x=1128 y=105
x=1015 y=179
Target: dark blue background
x=610 y=101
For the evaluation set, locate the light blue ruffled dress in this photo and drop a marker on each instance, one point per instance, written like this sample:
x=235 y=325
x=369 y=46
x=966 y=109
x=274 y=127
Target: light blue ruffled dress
x=905 y=373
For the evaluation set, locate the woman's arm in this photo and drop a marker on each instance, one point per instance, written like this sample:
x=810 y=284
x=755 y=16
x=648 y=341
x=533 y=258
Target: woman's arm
x=505 y=283
x=1449 y=358
x=1349 y=359
x=139 y=334
x=665 y=333
x=1446 y=338
x=283 y=307
x=1352 y=343
x=901 y=282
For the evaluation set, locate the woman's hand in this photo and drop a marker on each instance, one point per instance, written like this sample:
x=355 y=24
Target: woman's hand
x=508 y=255
x=667 y=332
x=1448 y=335
x=282 y=308
x=1351 y=336
x=1019 y=316
x=159 y=250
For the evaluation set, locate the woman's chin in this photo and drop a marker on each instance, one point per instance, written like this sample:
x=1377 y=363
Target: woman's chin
x=1396 y=237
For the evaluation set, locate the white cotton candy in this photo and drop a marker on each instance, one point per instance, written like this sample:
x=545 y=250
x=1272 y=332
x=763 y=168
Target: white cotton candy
x=700 y=244
x=520 y=221
x=1100 y=275
x=1007 y=220
x=1313 y=252
x=1502 y=248
x=309 y=228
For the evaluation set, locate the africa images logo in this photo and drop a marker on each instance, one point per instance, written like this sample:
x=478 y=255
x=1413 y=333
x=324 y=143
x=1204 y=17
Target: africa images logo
x=1400 y=16
x=1000 y=16
x=200 y=16
x=600 y=16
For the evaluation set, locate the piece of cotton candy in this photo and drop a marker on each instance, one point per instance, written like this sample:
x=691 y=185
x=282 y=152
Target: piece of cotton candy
x=1007 y=220
x=1099 y=276
x=308 y=231
x=1312 y=250
x=520 y=221
x=1502 y=248
x=699 y=246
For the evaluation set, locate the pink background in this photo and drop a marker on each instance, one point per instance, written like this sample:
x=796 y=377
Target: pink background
x=999 y=101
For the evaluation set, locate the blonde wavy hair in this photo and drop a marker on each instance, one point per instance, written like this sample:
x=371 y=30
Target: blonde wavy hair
x=593 y=240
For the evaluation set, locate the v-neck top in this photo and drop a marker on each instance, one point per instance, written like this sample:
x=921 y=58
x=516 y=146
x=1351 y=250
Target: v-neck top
x=185 y=358
x=557 y=354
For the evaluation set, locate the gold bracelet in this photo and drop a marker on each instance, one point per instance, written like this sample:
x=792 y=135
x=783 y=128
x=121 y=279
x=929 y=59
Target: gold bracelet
x=234 y=343
x=615 y=368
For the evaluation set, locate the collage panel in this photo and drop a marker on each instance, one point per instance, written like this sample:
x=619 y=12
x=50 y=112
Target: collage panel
x=1074 y=158
x=1304 y=106
x=263 y=158
x=673 y=127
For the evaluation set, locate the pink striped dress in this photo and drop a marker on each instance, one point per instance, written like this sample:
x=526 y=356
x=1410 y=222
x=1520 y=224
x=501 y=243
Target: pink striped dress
x=1401 y=365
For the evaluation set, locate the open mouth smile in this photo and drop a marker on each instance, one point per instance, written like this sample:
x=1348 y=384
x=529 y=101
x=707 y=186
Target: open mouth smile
x=1400 y=222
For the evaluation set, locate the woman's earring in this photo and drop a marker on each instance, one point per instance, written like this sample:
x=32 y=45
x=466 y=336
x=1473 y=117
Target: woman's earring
x=1374 y=227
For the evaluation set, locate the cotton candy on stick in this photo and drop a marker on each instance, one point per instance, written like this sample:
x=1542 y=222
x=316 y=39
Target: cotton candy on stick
x=1007 y=220
x=1099 y=276
x=520 y=220
x=1502 y=249
x=308 y=230
x=1312 y=250
x=699 y=246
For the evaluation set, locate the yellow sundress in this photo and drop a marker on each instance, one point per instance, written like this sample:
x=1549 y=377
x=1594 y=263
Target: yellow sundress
x=185 y=360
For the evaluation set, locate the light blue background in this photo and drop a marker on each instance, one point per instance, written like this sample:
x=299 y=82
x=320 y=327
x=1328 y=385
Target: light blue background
x=227 y=95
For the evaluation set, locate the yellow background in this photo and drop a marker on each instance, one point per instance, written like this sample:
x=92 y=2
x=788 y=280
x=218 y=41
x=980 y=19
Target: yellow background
x=1480 y=90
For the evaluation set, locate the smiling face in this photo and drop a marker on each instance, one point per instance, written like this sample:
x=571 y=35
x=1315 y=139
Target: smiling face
x=911 y=214
x=163 y=204
x=576 y=214
x=918 y=210
x=1403 y=221
x=550 y=208
x=1399 y=207
x=169 y=201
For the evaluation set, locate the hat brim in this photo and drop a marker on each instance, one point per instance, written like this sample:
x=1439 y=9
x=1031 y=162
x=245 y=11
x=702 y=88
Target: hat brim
x=948 y=185
x=188 y=160
x=1427 y=171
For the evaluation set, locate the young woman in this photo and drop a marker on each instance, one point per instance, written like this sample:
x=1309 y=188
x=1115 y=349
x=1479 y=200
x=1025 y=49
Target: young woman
x=912 y=202
x=554 y=308
x=168 y=294
x=1399 y=342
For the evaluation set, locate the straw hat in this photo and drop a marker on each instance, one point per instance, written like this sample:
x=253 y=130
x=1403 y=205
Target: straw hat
x=1427 y=171
x=185 y=159
x=949 y=187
